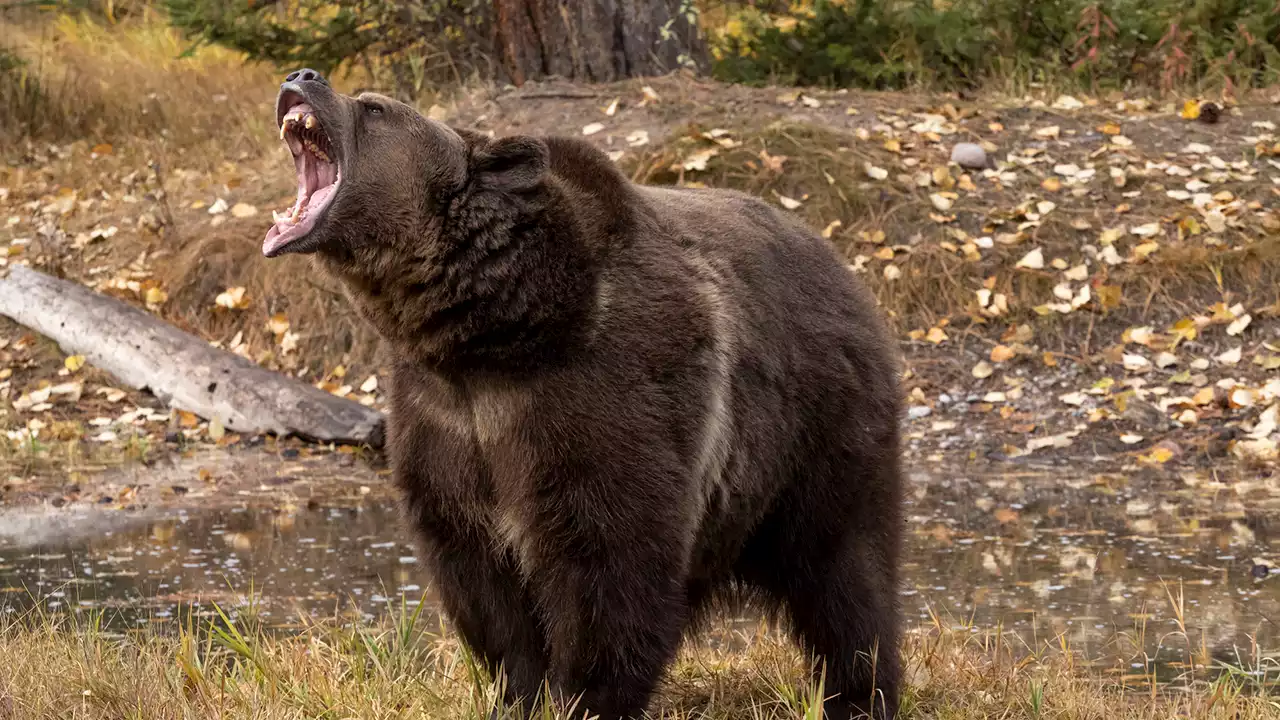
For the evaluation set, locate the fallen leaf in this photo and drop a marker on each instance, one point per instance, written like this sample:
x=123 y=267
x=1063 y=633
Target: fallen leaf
x=592 y=128
x=698 y=160
x=1001 y=353
x=1239 y=325
x=1136 y=363
x=278 y=324
x=983 y=370
x=772 y=162
x=243 y=210
x=233 y=298
x=74 y=362
x=1158 y=455
x=1033 y=260
x=1067 y=102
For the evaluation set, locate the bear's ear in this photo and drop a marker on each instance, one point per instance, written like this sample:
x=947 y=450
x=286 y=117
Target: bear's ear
x=511 y=164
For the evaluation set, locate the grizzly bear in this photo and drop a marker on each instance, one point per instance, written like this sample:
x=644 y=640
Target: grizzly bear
x=610 y=403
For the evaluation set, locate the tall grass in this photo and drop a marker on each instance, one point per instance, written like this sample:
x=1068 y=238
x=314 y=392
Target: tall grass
x=75 y=77
x=401 y=666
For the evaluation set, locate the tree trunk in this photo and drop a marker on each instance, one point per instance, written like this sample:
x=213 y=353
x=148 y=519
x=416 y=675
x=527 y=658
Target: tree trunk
x=181 y=369
x=595 y=40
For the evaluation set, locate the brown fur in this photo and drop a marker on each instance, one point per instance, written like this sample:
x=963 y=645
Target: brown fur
x=612 y=402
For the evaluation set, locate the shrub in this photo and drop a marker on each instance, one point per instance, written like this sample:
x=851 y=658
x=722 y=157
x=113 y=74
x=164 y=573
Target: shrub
x=869 y=43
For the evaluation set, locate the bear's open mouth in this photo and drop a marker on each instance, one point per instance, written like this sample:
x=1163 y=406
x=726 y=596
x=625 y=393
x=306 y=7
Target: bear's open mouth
x=318 y=177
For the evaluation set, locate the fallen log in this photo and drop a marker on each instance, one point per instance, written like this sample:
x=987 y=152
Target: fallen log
x=181 y=369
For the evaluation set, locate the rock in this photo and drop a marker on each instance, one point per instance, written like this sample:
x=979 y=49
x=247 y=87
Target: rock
x=969 y=155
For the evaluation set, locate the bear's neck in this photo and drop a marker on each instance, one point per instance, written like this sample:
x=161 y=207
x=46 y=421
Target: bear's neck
x=507 y=287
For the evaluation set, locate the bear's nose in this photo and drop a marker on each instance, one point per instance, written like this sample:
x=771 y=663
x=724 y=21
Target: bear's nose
x=306 y=74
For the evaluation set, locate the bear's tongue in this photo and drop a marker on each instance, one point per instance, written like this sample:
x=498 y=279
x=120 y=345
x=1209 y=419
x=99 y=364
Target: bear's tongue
x=317 y=174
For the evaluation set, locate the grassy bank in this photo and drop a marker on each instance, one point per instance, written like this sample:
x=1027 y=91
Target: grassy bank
x=399 y=668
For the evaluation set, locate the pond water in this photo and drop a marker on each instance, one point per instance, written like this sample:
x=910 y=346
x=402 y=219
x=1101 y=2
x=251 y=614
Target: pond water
x=1114 y=566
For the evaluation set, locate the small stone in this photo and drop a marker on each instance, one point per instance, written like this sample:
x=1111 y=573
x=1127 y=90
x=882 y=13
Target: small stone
x=969 y=155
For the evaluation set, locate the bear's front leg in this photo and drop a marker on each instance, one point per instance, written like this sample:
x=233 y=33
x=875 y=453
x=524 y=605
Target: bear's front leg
x=483 y=595
x=610 y=590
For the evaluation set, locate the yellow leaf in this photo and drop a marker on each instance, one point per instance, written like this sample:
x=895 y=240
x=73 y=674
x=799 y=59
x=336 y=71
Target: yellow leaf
x=1184 y=329
x=1001 y=353
x=1051 y=184
x=74 y=362
x=831 y=228
x=102 y=149
x=156 y=296
x=233 y=298
x=1158 y=455
x=278 y=324
x=216 y=431
x=1191 y=110
x=942 y=178
x=1109 y=129
x=936 y=336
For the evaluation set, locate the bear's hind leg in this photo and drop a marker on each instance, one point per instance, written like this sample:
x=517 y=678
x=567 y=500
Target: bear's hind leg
x=828 y=554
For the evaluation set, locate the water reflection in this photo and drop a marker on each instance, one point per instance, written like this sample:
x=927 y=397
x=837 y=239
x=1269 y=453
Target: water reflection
x=1135 y=576
x=310 y=561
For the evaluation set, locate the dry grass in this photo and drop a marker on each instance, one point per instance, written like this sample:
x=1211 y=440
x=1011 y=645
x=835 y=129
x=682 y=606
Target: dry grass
x=130 y=81
x=396 y=667
x=330 y=331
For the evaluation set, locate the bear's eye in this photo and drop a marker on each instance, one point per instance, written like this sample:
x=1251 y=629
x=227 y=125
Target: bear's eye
x=372 y=109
